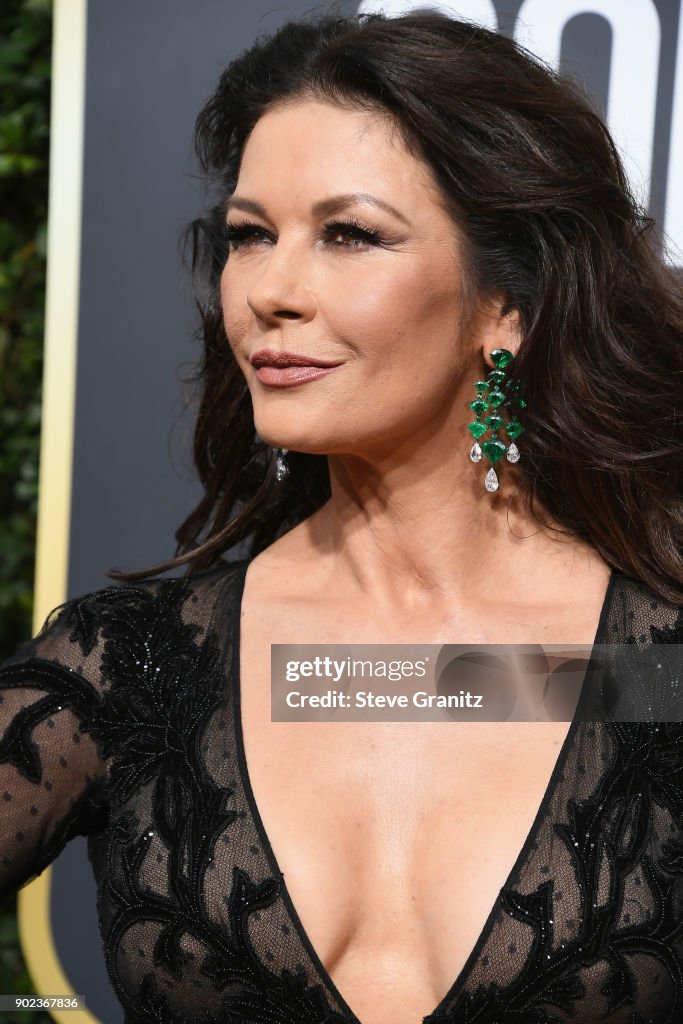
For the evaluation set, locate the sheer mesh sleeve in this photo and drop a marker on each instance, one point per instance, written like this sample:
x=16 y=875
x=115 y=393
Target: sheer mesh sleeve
x=52 y=773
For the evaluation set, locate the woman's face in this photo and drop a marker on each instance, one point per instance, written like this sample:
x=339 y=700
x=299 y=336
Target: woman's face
x=341 y=251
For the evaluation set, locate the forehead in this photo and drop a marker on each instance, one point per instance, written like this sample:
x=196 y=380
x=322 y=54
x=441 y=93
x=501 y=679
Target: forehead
x=310 y=148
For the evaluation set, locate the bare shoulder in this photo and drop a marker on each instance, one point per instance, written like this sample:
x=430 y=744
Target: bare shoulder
x=289 y=566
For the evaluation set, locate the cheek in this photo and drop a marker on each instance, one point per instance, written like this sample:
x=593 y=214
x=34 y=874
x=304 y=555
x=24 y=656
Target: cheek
x=234 y=305
x=393 y=311
x=367 y=307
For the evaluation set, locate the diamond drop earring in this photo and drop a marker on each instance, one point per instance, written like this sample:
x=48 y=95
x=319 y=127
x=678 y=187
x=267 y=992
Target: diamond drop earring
x=494 y=392
x=281 y=467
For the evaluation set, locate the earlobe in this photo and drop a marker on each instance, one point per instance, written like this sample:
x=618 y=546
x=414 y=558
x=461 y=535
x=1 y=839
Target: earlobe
x=500 y=327
x=508 y=333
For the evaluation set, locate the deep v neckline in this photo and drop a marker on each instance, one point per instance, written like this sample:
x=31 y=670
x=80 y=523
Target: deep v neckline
x=461 y=977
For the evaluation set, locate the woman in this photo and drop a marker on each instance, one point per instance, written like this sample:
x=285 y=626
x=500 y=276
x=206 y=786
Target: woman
x=413 y=217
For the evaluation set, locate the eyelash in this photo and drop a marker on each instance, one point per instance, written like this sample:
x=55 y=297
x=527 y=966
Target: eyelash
x=238 y=233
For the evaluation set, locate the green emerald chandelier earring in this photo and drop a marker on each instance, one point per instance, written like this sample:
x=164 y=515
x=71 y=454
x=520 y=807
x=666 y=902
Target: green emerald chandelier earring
x=496 y=394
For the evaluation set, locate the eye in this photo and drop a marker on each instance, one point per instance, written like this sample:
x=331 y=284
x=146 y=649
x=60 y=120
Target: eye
x=242 y=233
x=353 y=235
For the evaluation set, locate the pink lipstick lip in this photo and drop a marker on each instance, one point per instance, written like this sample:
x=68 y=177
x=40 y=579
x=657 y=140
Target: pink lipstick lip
x=291 y=376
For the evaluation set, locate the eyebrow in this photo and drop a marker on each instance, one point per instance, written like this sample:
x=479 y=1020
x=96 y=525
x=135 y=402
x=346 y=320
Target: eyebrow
x=324 y=207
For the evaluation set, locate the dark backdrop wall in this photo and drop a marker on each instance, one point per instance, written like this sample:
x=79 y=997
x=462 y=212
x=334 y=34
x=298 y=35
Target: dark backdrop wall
x=150 y=65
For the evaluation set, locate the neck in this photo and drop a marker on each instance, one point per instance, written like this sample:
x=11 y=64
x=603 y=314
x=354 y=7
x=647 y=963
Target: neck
x=419 y=536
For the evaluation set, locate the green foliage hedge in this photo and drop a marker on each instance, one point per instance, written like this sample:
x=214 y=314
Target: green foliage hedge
x=25 y=46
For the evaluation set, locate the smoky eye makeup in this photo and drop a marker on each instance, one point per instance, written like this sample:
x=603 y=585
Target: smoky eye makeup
x=353 y=234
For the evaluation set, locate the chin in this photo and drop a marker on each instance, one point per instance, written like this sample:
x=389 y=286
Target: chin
x=295 y=441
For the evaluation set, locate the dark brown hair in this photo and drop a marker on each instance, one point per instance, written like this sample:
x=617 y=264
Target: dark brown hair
x=531 y=176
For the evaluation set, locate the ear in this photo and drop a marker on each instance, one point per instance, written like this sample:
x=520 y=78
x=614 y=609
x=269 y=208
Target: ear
x=498 y=326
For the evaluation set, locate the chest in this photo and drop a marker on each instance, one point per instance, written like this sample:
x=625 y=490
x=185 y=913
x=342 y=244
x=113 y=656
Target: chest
x=394 y=838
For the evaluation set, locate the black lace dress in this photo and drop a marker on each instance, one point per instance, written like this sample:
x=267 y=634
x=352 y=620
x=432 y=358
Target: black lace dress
x=120 y=721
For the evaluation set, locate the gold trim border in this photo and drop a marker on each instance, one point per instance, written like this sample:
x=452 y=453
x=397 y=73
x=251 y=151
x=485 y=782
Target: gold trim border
x=67 y=119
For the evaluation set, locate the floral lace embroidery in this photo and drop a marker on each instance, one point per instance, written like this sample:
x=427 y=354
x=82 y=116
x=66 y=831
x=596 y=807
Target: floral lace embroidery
x=118 y=722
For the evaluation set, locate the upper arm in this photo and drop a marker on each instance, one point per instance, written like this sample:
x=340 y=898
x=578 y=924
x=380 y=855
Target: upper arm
x=51 y=770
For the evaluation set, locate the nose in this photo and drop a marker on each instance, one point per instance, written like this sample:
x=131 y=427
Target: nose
x=282 y=291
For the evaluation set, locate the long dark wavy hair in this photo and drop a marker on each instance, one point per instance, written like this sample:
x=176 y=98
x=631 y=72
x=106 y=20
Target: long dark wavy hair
x=533 y=179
